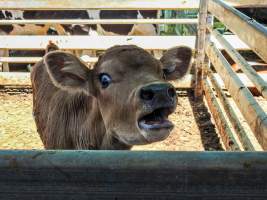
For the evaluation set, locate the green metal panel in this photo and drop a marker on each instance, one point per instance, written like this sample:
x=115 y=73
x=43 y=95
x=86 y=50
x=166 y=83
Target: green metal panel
x=180 y=29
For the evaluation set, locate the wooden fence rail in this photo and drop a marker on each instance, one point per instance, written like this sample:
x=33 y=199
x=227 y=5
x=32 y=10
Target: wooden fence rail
x=260 y=84
x=100 y=21
x=116 y=4
x=99 y=4
x=250 y=31
x=249 y=143
x=104 y=42
x=252 y=111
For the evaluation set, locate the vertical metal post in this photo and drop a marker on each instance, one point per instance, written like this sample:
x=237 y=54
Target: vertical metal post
x=200 y=47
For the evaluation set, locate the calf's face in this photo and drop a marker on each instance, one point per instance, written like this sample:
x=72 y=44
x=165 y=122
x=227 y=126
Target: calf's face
x=129 y=86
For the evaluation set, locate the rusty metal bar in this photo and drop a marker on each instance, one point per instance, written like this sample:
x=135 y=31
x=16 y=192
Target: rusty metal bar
x=249 y=107
x=222 y=124
x=247 y=142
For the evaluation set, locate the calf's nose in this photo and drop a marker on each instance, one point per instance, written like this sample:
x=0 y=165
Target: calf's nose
x=158 y=91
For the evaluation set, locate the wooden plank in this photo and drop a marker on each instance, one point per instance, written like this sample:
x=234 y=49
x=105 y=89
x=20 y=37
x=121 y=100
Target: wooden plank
x=251 y=110
x=250 y=31
x=248 y=143
x=23 y=42
x=86 y=59
x=94 y=42
x=260 y=84
x=116 y=4
x=100 y=21
x=15 y=78
x=99 y=4
x=89 y=59
x=23 y=79
x=234 y=40
x=19 y=59
x=247 y=3
x=244 y=79
x=222 y=124
x=132 y=175
x=187 y=82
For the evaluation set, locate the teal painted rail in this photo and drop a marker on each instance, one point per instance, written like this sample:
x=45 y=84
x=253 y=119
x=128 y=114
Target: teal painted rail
x=132 y=175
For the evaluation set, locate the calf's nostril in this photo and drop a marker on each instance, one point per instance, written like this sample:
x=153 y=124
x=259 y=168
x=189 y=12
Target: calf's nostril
x=171 y=92
x=147 y=94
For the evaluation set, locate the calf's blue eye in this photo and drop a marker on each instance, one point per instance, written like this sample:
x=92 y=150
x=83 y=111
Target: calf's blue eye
x=105 y=80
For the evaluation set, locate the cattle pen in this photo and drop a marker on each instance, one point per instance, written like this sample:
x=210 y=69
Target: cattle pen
x=240 y=115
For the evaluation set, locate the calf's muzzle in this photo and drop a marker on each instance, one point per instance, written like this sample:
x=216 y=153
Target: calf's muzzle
x=158 y=95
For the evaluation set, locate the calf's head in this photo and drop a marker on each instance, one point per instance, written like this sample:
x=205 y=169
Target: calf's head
x=129 y=86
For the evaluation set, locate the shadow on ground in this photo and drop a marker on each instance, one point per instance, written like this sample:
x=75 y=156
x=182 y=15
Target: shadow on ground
x=208 y=132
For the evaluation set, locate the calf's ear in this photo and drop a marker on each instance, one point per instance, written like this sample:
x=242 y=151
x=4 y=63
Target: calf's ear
x=176 y=62
x=51 y=47
x=68 y=72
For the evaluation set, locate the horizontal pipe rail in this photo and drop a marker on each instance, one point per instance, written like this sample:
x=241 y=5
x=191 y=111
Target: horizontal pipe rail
x=260 y=84
x=251 y=110
x=250 y=31
x=132 y=175
x=100 y=21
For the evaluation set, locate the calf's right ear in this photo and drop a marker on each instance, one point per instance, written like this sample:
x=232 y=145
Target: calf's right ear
x=68 y=72
x=176 y=62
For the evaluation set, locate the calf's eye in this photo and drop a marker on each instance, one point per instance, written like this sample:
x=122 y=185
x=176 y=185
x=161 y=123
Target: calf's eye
x=105 y=80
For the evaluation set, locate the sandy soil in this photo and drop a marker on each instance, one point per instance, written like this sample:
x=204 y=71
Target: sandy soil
x=194 y=131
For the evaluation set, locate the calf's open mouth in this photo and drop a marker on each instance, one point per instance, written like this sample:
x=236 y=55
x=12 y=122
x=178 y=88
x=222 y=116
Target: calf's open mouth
x=156 y=120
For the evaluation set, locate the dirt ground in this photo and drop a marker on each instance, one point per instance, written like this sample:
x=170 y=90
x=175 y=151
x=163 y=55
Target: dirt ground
x=194 y=131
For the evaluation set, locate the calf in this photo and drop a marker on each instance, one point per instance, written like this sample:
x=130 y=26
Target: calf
x=28 y=29
x=123 y=101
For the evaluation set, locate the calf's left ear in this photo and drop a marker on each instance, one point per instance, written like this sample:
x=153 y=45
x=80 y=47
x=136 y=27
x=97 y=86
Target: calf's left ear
x=176 y=62
x=68 y=72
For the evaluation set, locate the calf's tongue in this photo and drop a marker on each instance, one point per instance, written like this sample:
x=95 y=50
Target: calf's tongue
x=155 y=124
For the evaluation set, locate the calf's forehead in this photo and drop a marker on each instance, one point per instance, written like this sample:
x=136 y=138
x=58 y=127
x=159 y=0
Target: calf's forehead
x=127 y=59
